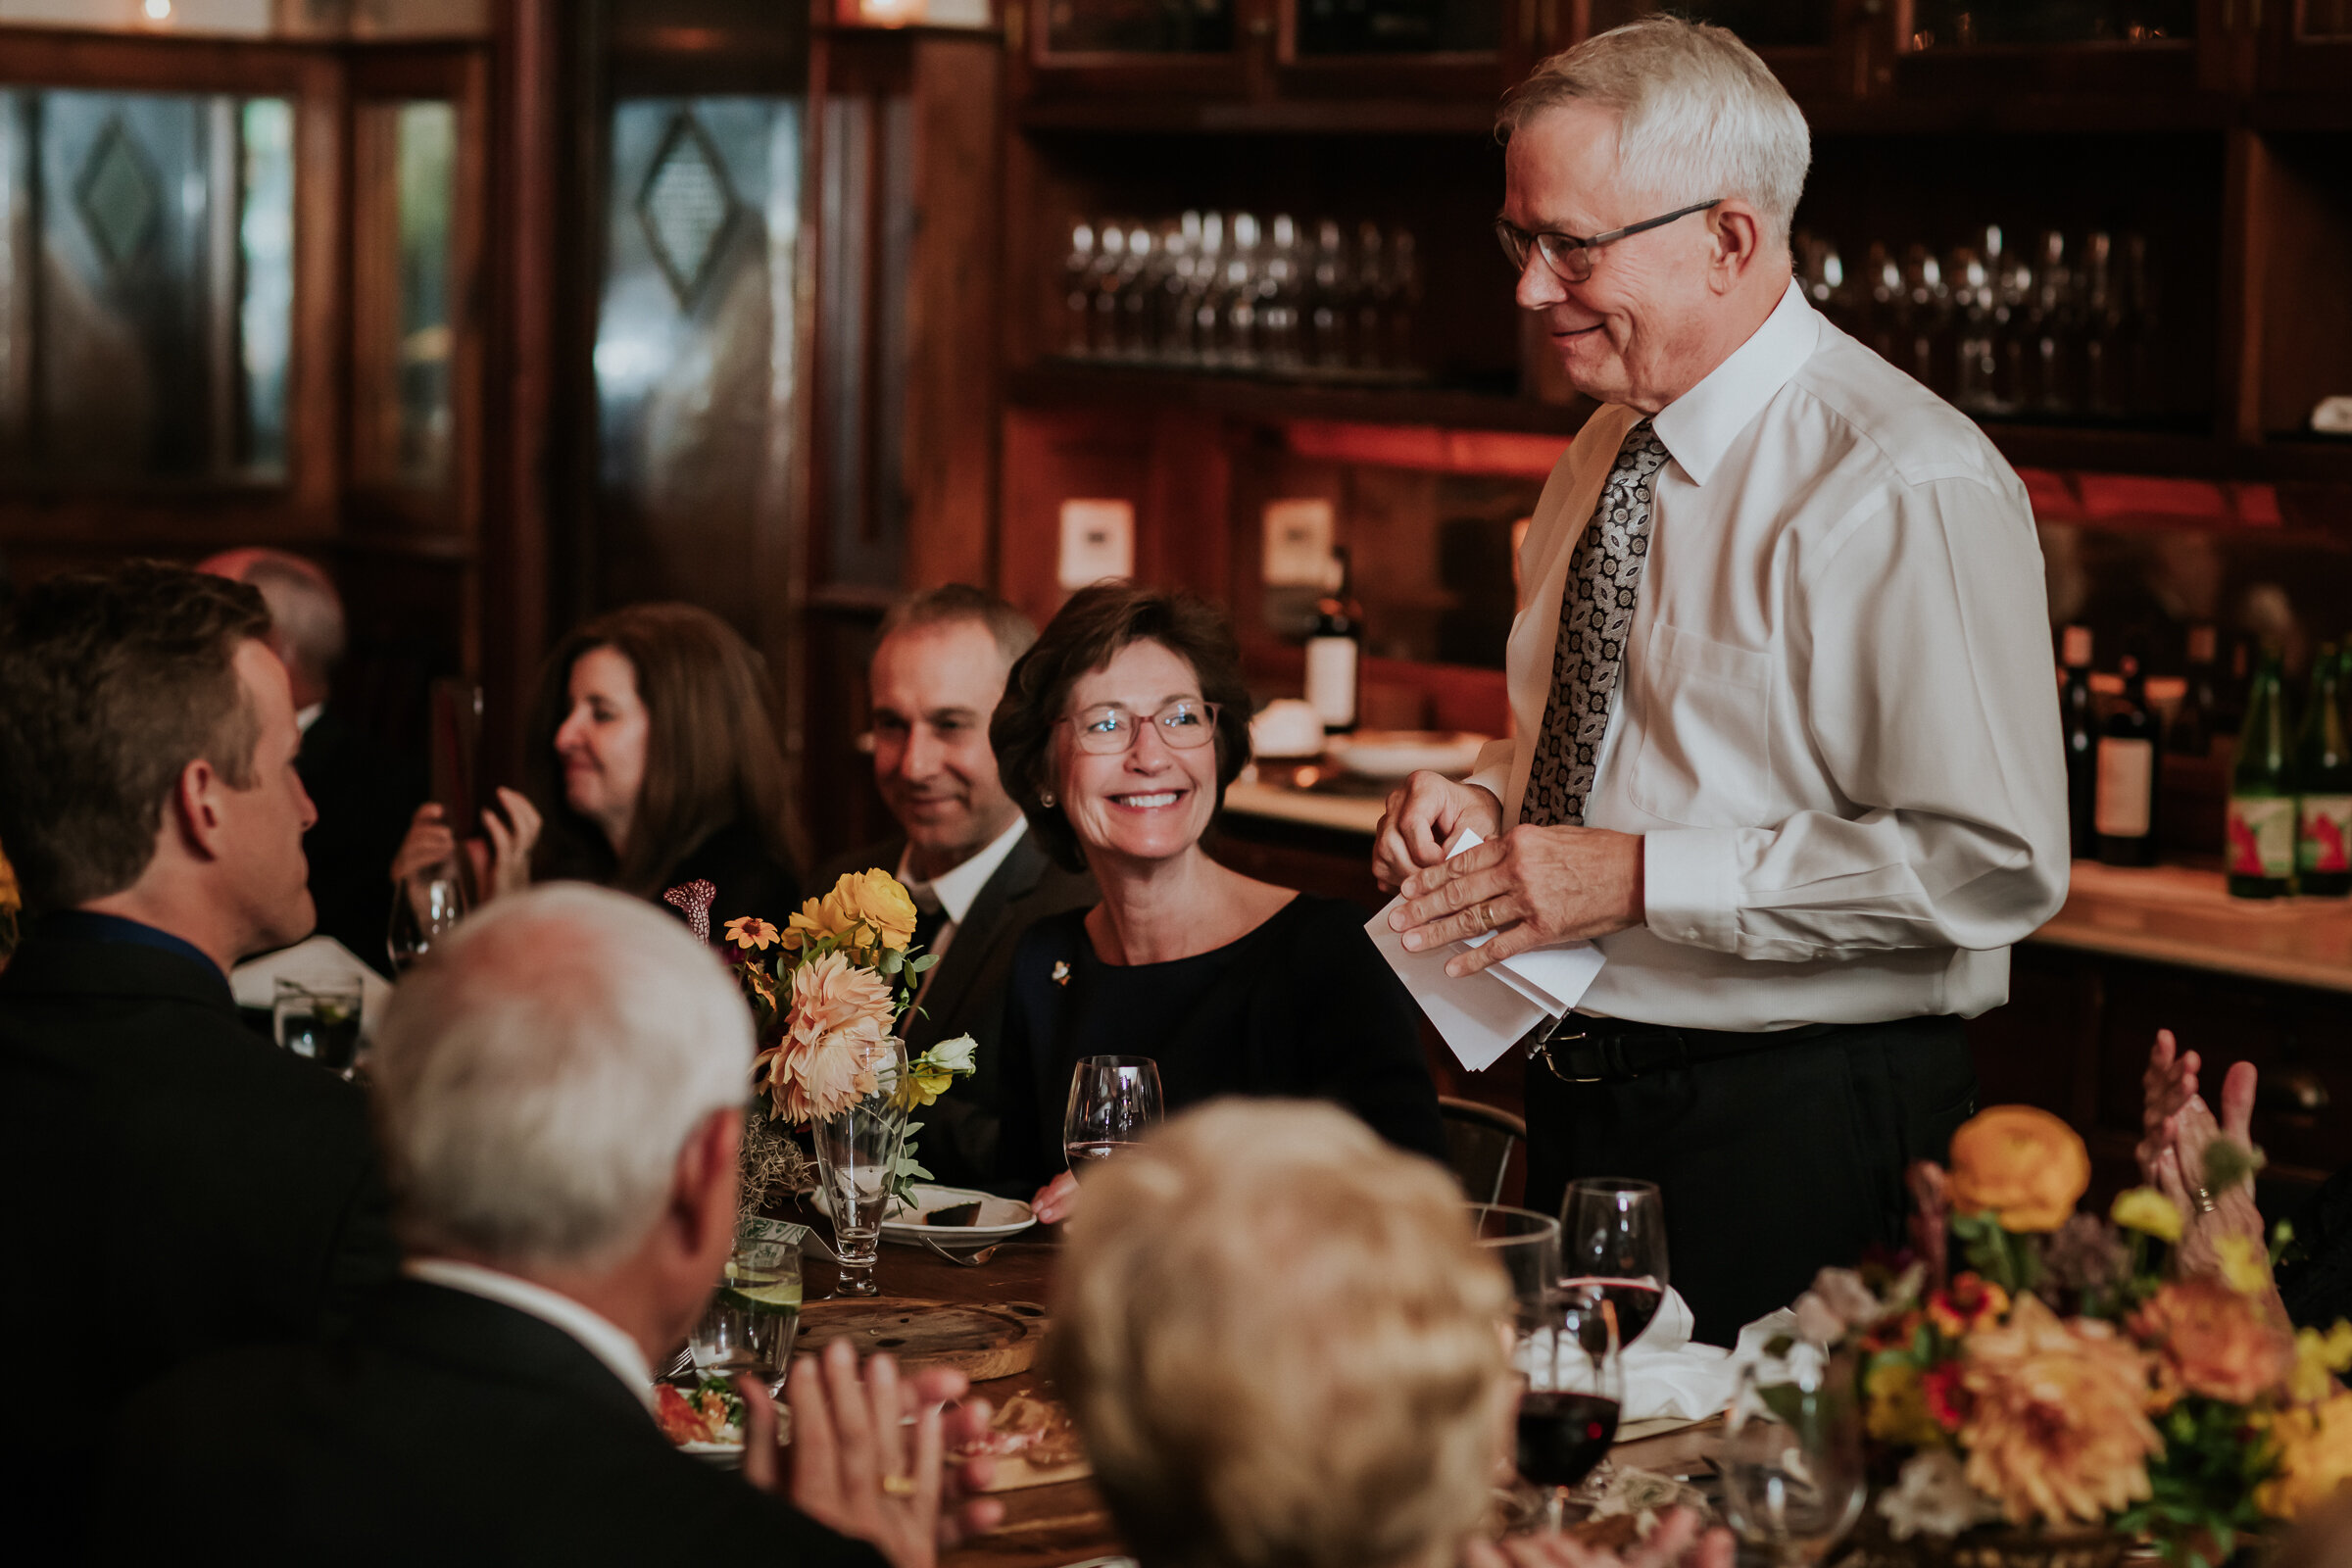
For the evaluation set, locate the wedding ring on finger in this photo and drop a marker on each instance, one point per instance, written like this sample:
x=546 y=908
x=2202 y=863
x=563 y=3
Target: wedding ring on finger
x=898 y=1486
x=2205 y=1203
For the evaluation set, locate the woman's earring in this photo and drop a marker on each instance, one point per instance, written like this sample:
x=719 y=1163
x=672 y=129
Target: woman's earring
x=1045 y=798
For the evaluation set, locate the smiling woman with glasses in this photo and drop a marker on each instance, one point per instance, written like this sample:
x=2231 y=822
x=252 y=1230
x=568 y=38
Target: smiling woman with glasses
x=1118 y=734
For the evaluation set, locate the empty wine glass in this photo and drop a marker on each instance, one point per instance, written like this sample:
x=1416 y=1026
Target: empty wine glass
x=1528 y=1247
x=1792 y=1455
x=1113 y=1101
x=1571 y=1390
x=1613 y=1240
x=426 y=906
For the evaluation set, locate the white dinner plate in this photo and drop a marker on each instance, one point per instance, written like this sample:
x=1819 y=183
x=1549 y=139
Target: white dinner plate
x=1000 y=1217
x=1394 y=753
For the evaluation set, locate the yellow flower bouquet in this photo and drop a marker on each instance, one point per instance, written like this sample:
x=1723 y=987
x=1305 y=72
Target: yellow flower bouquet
x=2070 y=1377
x=828 y=991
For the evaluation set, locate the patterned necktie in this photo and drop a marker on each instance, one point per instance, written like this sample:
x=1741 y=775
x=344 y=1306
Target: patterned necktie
x=1596 y=612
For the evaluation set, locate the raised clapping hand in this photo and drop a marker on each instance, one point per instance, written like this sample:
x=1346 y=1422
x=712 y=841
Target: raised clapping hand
x=859 y=1468
x=2175 y=1128
x=1530 y=886
x=1676 y=1543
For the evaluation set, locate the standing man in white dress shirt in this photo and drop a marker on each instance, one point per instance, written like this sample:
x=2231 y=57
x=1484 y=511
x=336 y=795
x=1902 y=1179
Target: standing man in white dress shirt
x=1786 y=730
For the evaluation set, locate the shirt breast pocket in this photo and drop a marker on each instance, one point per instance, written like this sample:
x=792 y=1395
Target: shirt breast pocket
x=1706 y=755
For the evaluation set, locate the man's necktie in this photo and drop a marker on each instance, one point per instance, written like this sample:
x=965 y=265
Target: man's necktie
x=1596 y=613
x=929 y=917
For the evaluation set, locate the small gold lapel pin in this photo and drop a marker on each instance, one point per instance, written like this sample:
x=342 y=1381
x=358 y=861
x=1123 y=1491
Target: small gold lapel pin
x=1062 y=971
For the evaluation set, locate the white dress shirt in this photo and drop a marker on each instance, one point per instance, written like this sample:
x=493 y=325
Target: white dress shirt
x=1837 y=728
x=599 y=1335
x=956 y=890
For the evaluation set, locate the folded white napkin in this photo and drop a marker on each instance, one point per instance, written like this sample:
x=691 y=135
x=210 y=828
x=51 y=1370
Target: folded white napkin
x=320 y=962
x=1666 y=1375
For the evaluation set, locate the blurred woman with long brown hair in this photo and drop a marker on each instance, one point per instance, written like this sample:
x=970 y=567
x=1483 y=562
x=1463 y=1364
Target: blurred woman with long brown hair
x=652 y=763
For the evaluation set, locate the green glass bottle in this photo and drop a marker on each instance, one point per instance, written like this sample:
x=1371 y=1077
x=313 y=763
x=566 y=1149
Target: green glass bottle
x=2260 y=843
x=2321 y=772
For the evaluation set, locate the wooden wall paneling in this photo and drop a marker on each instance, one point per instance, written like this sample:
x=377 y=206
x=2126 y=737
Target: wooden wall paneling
x=1184 y=531
x=2302 y=310
x=954 y=302
x=528 y=262
x=1052 y=456
x=2246 y=202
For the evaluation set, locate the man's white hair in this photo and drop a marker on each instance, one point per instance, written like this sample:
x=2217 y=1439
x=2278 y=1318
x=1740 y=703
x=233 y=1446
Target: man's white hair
x=536 y=1079
x=1699 y=117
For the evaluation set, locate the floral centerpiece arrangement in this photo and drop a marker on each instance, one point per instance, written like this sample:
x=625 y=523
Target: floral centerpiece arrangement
x=827 y=993
x=2072 y=1377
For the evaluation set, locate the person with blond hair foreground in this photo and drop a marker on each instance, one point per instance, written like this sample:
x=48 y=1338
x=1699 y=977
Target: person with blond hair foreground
x=1283 y=1346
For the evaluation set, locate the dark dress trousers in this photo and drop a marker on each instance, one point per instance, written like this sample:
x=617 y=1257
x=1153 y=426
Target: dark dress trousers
x=1302 y=1007
x=447 y=1430
x=960 y=1140
x=1771 y=1164
x=171 y=1185
x=366 y=793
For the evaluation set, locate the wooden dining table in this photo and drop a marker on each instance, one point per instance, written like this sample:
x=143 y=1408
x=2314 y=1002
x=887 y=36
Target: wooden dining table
x=1066 y=1522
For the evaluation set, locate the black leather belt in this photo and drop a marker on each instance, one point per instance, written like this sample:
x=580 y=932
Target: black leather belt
x=1613 y=1050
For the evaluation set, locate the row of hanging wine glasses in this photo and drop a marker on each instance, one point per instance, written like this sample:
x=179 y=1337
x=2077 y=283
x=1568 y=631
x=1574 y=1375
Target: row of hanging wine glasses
x=2047 y=330
x=1225 y=291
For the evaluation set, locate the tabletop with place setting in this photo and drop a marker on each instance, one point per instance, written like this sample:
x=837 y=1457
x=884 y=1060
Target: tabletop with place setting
x=1054 y=1519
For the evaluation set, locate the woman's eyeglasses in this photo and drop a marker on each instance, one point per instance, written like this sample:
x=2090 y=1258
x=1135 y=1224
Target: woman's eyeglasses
x=1106 y=730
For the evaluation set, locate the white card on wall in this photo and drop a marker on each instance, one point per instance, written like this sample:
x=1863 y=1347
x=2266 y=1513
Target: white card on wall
x=1298 y=534
x=1098 y=541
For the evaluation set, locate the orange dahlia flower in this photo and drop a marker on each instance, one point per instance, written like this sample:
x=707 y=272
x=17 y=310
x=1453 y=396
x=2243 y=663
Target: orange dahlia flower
x=2055 y=1425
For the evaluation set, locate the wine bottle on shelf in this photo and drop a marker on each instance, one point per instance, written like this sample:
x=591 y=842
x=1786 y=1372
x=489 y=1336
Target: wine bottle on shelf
x=2260 y=838
x=2079 y=716
x=1334 y=653
x=2191 y=731
x=2322 y=772
x=2124 y=810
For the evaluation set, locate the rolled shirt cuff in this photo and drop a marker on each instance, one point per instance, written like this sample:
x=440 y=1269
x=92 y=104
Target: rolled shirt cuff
x=1690 y=886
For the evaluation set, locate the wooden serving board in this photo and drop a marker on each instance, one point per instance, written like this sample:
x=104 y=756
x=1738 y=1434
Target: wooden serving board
x=982 y=1340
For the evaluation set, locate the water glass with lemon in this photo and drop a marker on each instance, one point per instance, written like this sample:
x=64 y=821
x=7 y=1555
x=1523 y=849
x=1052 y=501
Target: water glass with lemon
x=753 y=1315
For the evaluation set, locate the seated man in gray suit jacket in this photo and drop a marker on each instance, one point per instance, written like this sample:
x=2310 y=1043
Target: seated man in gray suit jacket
x=979 y=880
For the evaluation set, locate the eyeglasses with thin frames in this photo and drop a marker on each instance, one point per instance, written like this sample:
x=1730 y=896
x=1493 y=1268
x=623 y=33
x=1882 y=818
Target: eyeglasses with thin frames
x=1571 y=256
x=1106 y=730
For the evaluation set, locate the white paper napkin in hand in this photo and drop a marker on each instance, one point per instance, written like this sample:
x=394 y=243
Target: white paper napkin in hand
x=1666 y=1375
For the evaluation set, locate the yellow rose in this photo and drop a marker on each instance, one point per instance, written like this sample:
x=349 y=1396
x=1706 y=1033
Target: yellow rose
x=2147 y=1210
x=1898 y=1407
x=2025 y=1164
x=876 y=901
x=2318 y=1356
x=2315 y=1457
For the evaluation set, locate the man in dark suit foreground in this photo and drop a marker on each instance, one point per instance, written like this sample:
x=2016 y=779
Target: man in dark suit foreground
x=169 y=1183
x=366 y=792
x=978 y=877
x=560 y=1096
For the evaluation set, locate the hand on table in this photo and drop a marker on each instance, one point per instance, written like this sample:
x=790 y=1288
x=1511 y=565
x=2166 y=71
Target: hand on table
x=1056 y=1200
x=1531 y=887
x=859 y=1468
x=1423 y=817
x=1676 y=1543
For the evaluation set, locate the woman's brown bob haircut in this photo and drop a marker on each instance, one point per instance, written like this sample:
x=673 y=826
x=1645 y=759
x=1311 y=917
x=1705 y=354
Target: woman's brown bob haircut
x=710 y=752
x=1086 y=637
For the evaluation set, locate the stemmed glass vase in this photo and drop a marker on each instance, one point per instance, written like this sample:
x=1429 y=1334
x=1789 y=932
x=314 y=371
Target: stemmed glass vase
x=858 y=1159
x=1792 y=1456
